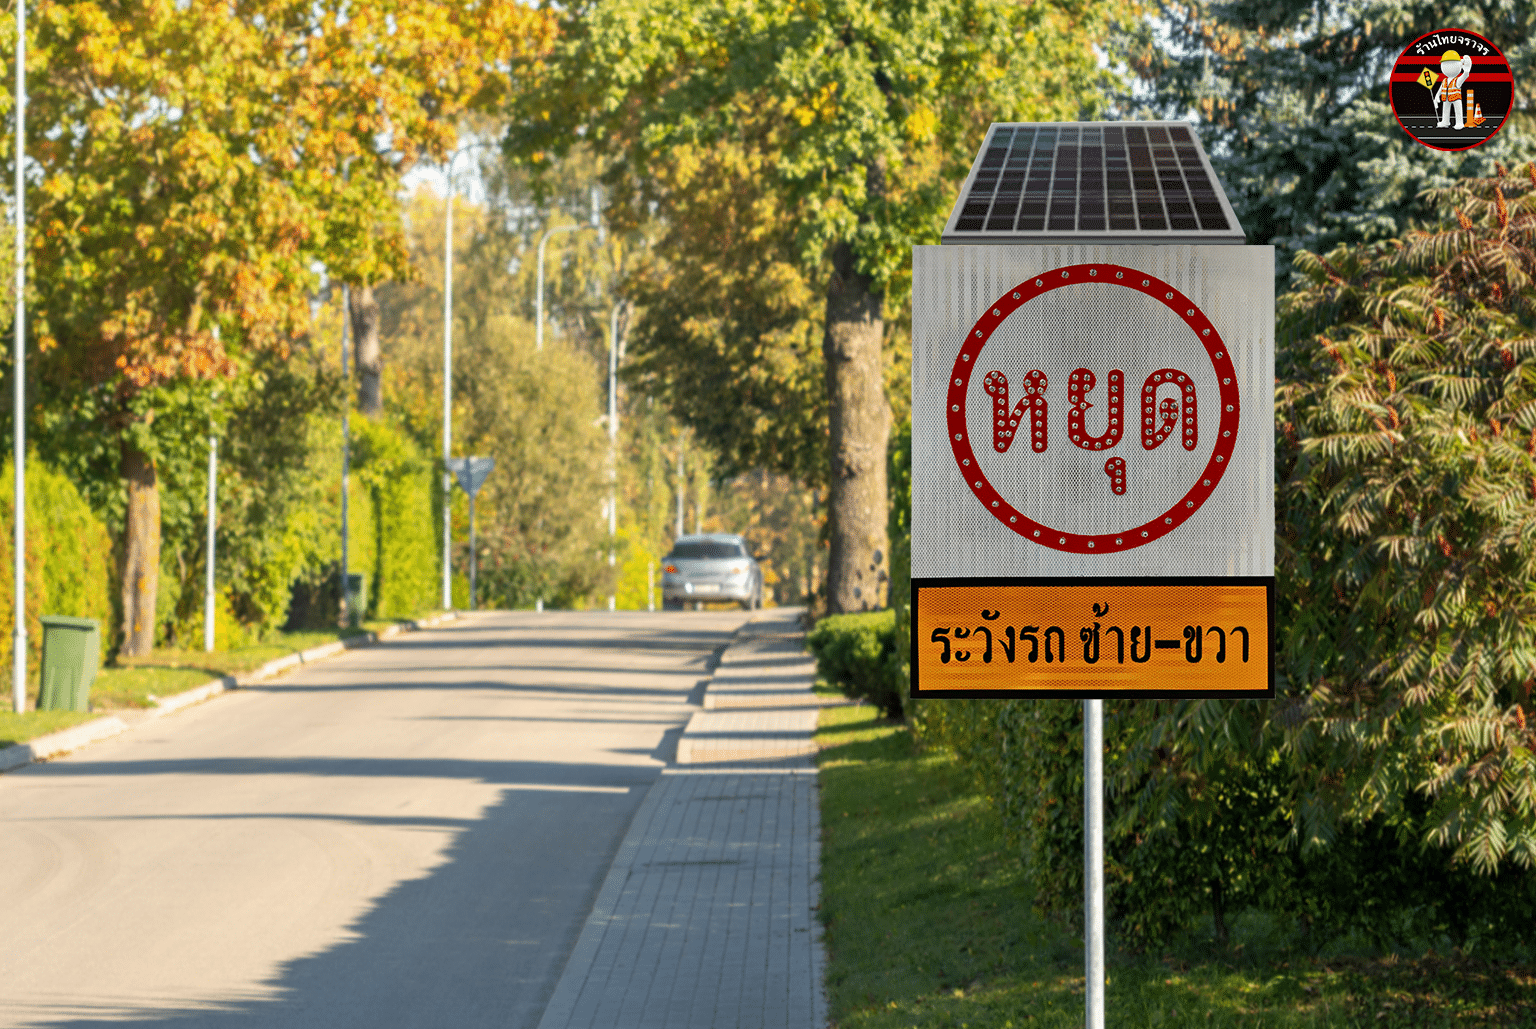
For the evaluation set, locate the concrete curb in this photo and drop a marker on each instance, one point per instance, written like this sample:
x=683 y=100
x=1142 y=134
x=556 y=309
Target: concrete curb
x=61 y=742
x=58 y=743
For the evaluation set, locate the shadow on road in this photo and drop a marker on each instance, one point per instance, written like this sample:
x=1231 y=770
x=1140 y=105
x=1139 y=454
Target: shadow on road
x=479 y=941
x=481 y=937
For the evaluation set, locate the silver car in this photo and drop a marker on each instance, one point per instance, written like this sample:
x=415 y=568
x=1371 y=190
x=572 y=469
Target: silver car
x=717 y=566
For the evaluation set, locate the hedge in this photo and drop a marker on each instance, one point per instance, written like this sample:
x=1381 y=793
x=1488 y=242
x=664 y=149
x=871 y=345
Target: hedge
x=70 y=566
x=857 y=654
x=398 y=550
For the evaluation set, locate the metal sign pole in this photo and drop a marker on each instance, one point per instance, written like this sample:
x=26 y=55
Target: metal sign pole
x=471 y=473
x=1093 y=862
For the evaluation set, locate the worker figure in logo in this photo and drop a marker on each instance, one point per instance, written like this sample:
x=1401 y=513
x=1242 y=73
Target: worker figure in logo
x=1448 y=94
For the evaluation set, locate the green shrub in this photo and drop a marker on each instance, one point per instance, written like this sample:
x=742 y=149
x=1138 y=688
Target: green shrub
x=70 y=566
x=899 y=531
x=1388 y=787
x=1230 y=849
x=857 y=654
x=402 y=565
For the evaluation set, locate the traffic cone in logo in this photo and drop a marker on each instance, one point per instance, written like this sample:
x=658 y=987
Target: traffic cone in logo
x=1474 y=110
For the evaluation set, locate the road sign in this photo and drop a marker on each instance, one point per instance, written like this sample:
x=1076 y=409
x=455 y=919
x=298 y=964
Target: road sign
x=471 y=472
x=1092 y=440
x=1109 y=637
x=1093 y=412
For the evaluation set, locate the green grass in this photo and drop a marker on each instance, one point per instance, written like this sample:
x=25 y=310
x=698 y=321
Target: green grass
x=929 y=924
x=138 y=682
x=16 y=728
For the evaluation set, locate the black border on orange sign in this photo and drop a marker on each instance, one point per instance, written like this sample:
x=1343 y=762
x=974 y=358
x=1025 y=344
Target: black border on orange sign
x=1268 y=582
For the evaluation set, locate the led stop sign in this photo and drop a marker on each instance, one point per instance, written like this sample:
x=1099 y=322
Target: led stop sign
x=1165 y=411
x=1092 y=427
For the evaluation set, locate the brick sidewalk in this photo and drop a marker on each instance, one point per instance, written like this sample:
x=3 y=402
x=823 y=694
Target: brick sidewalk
x=707 y=916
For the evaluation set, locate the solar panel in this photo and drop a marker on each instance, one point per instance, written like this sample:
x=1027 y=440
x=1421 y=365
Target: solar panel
x=1077 y=182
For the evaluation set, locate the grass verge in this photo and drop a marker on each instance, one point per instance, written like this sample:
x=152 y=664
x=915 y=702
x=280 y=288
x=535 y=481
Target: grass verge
x=16 y=728
x=137 y=682
x=929 y=924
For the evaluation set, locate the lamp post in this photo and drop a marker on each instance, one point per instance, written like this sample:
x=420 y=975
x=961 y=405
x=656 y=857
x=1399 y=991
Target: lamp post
x=682 y=483
x=346 y=460
x=18 y=422
x=596 y=223
x=613 y=439
x=213 y=494
x=448 y=372
x=213 y=521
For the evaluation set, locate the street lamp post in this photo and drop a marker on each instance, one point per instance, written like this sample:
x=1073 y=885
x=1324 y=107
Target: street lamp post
x=538 y=330
x=613 y=439
x=448 y=373
x=18 y=422
x=213 y=522
x=213 y=511
x=682 y=482
x=346 y=460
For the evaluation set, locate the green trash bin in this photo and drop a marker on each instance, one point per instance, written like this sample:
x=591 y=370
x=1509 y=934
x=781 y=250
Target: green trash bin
x=71 y=656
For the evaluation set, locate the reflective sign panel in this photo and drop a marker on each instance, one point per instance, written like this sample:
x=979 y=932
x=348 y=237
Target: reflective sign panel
x=1093 y=450
x=1106 y=637
x=1092 y=411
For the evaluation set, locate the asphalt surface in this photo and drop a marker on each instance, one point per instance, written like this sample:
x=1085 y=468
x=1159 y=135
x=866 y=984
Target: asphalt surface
x=410 y=835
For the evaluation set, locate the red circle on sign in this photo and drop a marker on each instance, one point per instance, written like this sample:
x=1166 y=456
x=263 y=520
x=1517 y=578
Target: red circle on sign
x=1108 y=275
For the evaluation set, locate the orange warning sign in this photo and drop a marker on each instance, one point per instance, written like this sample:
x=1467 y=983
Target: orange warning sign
x=1086 y=637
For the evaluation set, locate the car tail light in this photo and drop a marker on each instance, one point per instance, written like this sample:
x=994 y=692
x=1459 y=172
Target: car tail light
x=737 y=570
x=669 y=568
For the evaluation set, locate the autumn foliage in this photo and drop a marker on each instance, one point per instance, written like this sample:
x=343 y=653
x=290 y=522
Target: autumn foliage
x=192 y=165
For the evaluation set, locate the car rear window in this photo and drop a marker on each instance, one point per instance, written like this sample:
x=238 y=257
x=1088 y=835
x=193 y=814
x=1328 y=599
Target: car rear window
x=696 y=550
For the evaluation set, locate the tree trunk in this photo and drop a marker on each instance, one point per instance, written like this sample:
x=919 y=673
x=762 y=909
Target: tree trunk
x=1218 y=910
x=141 y=553
x=370 y=363
x=860 y=428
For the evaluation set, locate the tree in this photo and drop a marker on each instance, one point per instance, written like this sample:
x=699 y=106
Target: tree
x=535 y=413
x=1406 y=550
x=1407 y=523
x=195 y=158
x=1291 y=100
x=855 y=120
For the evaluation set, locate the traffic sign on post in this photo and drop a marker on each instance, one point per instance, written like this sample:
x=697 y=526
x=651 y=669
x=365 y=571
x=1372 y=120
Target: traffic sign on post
x=1092 y=436
x=471 y=473
x=1092 y=440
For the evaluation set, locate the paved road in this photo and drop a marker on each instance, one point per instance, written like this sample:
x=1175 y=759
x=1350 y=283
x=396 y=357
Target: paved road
x=405 y=836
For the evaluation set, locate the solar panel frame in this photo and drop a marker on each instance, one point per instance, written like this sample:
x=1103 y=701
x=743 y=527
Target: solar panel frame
x=1146 y=182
